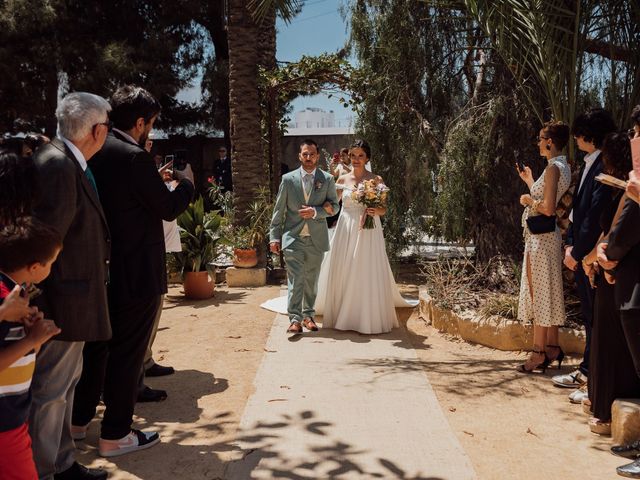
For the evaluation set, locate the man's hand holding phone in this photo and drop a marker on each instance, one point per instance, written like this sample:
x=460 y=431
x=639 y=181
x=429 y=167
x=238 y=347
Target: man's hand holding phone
x=519 y=163
x=166 y=171
x=184 y=174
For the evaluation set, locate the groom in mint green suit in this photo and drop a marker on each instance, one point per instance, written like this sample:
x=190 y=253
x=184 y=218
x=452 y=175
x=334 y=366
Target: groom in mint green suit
x=299 y=229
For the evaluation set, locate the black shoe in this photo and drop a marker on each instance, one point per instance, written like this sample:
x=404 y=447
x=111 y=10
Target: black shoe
x=151 y=395
x=631 y=450
x=158 y=371
x=80 y=472
x=630 y=470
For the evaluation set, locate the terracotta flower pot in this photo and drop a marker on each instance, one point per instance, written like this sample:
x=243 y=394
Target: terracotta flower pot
x=198 y=285
x=245 y=258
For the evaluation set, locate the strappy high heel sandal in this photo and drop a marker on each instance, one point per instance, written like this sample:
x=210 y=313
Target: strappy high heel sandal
x=559 y=357
x=530 y=367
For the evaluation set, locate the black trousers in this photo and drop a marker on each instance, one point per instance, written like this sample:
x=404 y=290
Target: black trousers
x=631 y=325
x=113 y=368
x=587 y=296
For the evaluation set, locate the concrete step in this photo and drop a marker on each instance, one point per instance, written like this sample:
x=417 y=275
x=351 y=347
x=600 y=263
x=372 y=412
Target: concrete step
x=625 y=420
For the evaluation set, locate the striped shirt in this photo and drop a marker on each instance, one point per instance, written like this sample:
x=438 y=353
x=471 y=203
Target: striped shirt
x=15 y=381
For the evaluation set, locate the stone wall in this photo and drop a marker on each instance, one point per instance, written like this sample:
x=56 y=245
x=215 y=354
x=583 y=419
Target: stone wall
x=499 y=333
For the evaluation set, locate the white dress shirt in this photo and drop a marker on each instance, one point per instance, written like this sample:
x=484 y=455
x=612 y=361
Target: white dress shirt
x=171 y=231
x=76 y=152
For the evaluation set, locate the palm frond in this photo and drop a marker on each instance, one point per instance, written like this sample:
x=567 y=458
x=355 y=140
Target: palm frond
x=286 y=9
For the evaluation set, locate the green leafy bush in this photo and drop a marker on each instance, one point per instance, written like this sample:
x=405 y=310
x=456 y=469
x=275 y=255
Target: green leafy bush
x=200 y=234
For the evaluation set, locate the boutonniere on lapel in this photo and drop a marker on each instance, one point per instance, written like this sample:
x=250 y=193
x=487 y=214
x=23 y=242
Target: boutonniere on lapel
x=318 y=185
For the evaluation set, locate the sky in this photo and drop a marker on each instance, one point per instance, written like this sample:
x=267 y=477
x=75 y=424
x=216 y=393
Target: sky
x=318 y=29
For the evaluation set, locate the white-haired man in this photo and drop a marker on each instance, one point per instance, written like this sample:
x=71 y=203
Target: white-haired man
x=75 y=294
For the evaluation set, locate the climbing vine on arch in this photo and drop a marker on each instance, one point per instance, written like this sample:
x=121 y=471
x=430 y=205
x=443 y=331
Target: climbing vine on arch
x=308 y=76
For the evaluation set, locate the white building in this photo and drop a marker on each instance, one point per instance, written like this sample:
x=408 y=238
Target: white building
x=316 y=121
x=312 y=117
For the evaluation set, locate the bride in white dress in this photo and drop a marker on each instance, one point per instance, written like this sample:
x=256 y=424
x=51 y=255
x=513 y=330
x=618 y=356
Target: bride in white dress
x=356 y=289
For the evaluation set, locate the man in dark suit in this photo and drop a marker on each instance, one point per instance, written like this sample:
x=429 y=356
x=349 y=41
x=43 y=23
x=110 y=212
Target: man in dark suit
x=590 y=198
x=135 y=201
x=222 y=171
x=620 y=255
x=75 y=294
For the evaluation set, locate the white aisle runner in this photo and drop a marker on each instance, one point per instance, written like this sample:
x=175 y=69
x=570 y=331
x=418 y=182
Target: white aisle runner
x=347 y=406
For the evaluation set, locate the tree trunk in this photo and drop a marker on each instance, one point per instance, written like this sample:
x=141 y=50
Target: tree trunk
x=271 y=115
x=247 y=160
x=216 y=24
x=273 y=147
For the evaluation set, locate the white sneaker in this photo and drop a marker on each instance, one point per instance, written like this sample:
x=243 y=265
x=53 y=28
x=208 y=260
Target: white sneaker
x=578 y=395
x=574 y=379
x=134 y=441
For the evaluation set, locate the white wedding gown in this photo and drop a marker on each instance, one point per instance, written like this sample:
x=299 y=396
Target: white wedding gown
x=356 y=288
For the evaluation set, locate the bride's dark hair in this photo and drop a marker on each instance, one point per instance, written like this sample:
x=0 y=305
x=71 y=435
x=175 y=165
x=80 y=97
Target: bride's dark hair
x=363 y=145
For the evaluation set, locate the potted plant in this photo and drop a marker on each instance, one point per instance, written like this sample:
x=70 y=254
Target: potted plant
x=244 y=252
x=200 y=234
x=250 y=241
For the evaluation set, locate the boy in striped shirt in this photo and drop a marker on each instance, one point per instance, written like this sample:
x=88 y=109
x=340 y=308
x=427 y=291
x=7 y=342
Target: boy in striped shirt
x=28 y=248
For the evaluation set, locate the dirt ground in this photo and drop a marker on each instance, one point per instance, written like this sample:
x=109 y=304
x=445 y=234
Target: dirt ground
x=512 y=426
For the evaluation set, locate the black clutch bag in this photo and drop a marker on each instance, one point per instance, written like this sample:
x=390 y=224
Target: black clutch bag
x=541 y=224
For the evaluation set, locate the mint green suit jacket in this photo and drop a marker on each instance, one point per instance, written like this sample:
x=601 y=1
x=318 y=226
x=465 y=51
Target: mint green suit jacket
x=286 y=223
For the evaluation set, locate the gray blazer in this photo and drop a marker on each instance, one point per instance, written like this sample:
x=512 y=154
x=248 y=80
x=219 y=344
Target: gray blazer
x=286 y=223
x=75 y=294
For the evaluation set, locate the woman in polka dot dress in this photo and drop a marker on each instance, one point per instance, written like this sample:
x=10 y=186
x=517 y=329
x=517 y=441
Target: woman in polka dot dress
x=541 y=295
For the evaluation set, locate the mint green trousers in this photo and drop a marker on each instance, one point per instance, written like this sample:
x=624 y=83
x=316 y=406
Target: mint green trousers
x=303 y=269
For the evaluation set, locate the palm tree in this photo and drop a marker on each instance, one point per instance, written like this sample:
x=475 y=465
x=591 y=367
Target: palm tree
x=544 y=42
x=251 y=36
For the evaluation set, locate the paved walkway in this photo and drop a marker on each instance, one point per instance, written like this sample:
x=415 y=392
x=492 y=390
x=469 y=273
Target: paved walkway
x=342 y=405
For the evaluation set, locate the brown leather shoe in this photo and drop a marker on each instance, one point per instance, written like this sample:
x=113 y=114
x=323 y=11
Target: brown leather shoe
x=295 y=327
x=309 y=324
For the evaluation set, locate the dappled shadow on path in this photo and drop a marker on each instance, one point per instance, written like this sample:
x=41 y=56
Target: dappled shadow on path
x=219 y=297
x=463 y=376
x=265 y=455
x=183 y=427
x=186 y=389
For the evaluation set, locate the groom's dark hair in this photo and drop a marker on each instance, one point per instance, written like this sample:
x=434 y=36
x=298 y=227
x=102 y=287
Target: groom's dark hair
x=308 y=141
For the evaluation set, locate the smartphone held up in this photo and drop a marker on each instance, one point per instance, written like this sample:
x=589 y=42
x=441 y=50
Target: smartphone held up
x=519 y=163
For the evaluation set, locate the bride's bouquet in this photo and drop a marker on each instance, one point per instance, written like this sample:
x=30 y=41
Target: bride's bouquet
x=371 y=194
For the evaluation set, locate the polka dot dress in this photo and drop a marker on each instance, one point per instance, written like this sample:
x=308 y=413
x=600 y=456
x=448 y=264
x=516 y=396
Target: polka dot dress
x=545 y=254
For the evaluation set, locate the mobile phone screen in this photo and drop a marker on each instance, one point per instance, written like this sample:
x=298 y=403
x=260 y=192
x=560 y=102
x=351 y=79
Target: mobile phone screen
x=519 y=161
